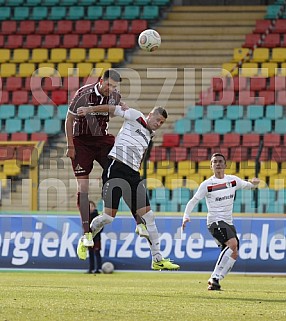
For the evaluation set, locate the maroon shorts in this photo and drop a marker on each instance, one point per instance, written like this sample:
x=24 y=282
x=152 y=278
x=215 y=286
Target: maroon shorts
x=89 y=149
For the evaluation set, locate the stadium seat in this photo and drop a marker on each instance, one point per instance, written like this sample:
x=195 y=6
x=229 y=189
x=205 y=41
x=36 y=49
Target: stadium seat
x=262 y=25
x=249 y=69
x=132 y=13
x=243 y=126
x=21 y=13
x=39 y=137
x=198 y=154
x=202 y=126
x=52 y=126
x=257 y=83
x=150 y=13
x=33 y=41
x=94 y=13
x=204 y=168
x=5 y=13
x=266 y=97
x=14 y=41
x=96 y=55
x=194 y=112
x=137 y=26
x=262 y=126
x=246 y=98
x=13 y=83
x=58 y=13
x=127 y=41
x=178 y=154
x=269 y=69
x=39 y=13
x=280 y=26
x=26 y=69
x=277 y=83
x=70 y=41
x=190 y=140
x=32 y=125
x=7 y=111
x=271 y=139
x=20 y=55
x=77 y=55
x=13 y=125
x=210 y=140
x=58 y=55
x=158 y=154
x=207 y=97
x=107 y=41
x=4 y=97
x=271 y=41
x=33 y=83
x=260 y=55
x=238 y=154
x=8 y=27
x=222 y=126
x=254 y=112
x=215 y=112
x=39 y=55
x=250 y=140
x=45 y=111
x=115 y=55
x=20 y=97
x=45 y=27
x=59 y=97
x=112 y=13
x=51 y=41
x=62 y=111
x=26 y=27
x=274 y=112
x=33 y=3
x=229 y=68
x=88 y=41
x=119 y=26
x=251 y=40
x=19 y=137
x=186 y=167
x=66 y=69
x=40 y=98
x=231 y=140
x=278 y=55
x=281 y=97
x=240 y=53
x=64 y=27
x=3 y=138
x=7 y=69
x=84 y=69
x=75 y=13
x=82 y=27
x=26 y=111
x=171 y=140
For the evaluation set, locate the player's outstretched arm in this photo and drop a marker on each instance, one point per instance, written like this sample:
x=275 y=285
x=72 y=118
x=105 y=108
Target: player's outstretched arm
x=255 y=181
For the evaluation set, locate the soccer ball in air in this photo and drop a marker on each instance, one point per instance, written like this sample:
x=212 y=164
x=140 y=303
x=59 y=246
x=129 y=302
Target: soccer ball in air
x=149 y=40
x=107 y=268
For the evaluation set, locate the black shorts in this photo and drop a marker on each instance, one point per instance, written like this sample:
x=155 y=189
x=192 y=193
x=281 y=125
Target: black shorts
x=223 y=232
x=120 y=180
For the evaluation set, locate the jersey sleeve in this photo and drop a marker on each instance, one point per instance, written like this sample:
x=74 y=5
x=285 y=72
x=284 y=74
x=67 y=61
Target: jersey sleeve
x=129 y=114
x=242 y=184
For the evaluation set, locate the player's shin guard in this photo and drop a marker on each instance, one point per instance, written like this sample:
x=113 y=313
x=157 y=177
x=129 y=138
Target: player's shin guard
x=227 y=268
x=83 y=206
x=221 y=263
x=97 y=223
x=153 y=235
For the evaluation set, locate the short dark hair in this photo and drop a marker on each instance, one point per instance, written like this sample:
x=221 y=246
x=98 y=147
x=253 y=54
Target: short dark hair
x=218 y=154
x=92 y=203
x=113 y=74
x=160 y=110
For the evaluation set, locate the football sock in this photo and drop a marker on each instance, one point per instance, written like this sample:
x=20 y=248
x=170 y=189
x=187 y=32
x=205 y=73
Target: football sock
x=227 y=268
x=221 y=262
x=83 y=206
x=153 y=235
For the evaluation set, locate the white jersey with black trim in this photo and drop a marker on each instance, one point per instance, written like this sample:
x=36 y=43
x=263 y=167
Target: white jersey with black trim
x=133 y=138
x=219 y=195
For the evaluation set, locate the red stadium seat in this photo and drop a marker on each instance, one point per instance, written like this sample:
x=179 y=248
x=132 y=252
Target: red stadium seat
x=119 y=26
x=52 y=83
x=33 y=83
x=3 y=137
x=171 y=140
x=257 y=83
x=158 y=154
x=250 y=140
x=251 y=40
x=40 y=97
x=2 y=41
x=25 y=153
x=238 y=154
x=127 y=41
x=7 y=152
x=88 y=41
x=266 y=97
x=264 y=156
x=280 y=26
x=19 y=137
x=199 y=154
x=63 y=27
x=207 y=97
x=71 y=83
x=51 y=41
x=219 y=83
x=33 y=41
x=137 y=26
x=59 y=97
x=4 y=97
x=14 y=41
x=14 y=83
x=281 y=97
x=20 y=97
x=8 y=27
x=262 y=25
x=82 y=27
x=226 y=97
x=221 y=150
x=39 y=137
x=238 y=83
x=101 y=27
x=107 y=41
x=26 y=27
x=271 y=139
x=279 y=154
x=178 y=154
x=45 y=27
x=231 y=140
x=277 y=83
x=70 y=41
x=246 y=97
x=191 y=140
x=210 y=140
x=271 y=41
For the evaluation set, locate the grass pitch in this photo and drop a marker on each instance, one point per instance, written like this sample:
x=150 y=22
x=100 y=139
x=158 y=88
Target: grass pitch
x=136 y=296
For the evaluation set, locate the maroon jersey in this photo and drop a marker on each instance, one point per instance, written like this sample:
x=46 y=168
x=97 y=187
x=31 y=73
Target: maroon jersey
x=95 y=123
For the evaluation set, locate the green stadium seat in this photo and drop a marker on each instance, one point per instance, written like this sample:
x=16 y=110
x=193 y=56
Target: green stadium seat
x=272 y=11
x=222 y=126
x=131 y=12
x=52 y=126
x=202 y=126
x=254 y=111
x=50 y=3
x=7 y=111
x=182 y=126
x=86 y=2
x=112 y=13
x=45 y=111
x=21 y=13
x=234 y=112
x=5 y=13
x=262 y=126
x=150 y=13
x=106 y=2
x=181 y=194
x=274 y=112
x=14 y=3
x=161 y=2
x=279 y=126
x=94 y=13
x=243 y=126
x=34 y=3
x=195 y=112
x=32 y=125
x=26 y=111
x=142 y=2
x=124 y=2
x=58 y=13
x=214 y=111
x=75 y=13
x=68 y=2
x=13 y=125
x=62 y=111
x=39 y=13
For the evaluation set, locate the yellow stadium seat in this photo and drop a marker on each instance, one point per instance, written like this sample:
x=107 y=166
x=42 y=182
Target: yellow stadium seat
x=282 y=70
x=278 y=54
x=39 y=55
x=46 y=69
x=77 y=55
x=65 y=69
x=84 y=69
x=3 y=180
x=115 y=55
x=277 y=182
x=246 y=168
x=186 y=168
x=260 y=55
x=26 y=69
x=165 y=168
x=204 y=168
x=20 y=55
x=239 y=54
x=154 y=181
x=231 y=167
x=229 y=68
x=268 y=168
x=7 y=69
x=268 y=69
x=149 y=169
x=100 y=68
x=11 y=168
x=174 y=181
x=96 y=55
x=58 y=55
x=249 y=69
x=5 y=55
x=193 y=181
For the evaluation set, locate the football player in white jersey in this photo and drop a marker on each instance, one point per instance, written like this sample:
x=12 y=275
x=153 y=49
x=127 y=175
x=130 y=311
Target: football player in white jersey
x=121 y=178
x=219 y=192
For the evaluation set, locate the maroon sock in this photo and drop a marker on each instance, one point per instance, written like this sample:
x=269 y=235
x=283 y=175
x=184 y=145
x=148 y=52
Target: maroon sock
x=83 y=206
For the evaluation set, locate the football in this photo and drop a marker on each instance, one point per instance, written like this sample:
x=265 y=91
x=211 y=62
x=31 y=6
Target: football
x=107 y=268
x=149 y=40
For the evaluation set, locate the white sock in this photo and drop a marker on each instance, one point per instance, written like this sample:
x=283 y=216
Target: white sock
x=99 y=221
x=227 y=268
x=221 y=262
x=153 y=235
